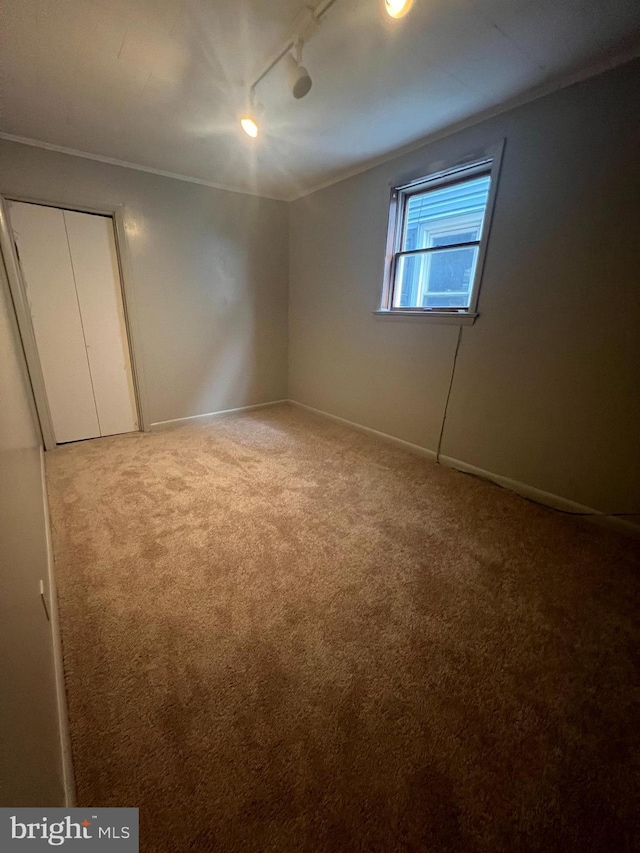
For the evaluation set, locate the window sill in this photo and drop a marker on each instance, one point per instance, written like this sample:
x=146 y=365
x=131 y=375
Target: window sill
x=466 y=318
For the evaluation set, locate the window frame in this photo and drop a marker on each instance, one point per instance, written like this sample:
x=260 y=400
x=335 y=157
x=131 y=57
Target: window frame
x=487 y=162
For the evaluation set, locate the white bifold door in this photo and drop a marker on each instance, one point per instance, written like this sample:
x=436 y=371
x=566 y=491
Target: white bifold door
x=71 y=276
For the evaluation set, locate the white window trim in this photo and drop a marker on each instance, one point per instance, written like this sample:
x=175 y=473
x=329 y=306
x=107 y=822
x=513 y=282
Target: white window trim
x=489 y=160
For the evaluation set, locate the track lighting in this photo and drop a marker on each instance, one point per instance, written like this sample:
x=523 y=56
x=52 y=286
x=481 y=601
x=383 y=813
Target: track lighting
x=249 y=121
x=397 y=8
x=299 y=78
x=250 y=126
x=305 y=26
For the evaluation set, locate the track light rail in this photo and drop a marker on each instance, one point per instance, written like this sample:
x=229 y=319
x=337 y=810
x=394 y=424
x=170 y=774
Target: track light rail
x=304 y=27
x=313 y=21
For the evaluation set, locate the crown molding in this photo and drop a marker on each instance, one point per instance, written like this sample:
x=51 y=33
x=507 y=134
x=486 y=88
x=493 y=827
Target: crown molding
x=562 y=82
x=555 y=85
x=125 y=164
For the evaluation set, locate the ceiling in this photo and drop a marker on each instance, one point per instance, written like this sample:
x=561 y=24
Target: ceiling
x=162 y=83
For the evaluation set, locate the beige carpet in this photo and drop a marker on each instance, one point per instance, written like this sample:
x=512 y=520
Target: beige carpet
x=282 y=635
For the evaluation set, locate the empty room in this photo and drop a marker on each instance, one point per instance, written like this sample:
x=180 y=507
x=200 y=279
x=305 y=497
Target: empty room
x=319 y=425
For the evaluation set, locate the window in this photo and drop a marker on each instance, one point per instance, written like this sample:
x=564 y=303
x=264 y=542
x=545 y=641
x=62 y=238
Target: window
x=437 y=238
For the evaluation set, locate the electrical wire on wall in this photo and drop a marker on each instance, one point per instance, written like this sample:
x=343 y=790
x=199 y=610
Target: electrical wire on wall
x=446 y=405
x=593 y=514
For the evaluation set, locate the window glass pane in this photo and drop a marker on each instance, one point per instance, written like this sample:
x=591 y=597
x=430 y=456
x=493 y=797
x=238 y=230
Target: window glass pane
x=453 y=237
x=408 y=274
x=446 y=215
x=448 y=278
x=435 y=279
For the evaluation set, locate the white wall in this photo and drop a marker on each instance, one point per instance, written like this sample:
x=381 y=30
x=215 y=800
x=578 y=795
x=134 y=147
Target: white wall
x=209 y=271
x=546 y=388
x=31 y=765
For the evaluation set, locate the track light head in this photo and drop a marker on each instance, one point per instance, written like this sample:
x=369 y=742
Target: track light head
x=299 y=78
x=250 y=120
x=397 y=8
x=250 y=126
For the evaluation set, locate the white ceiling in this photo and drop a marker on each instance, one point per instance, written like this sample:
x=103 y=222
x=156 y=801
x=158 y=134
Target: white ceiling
x=160 y=83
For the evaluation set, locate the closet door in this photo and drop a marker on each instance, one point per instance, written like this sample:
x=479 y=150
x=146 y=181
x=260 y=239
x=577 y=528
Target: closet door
x=70 y=269
x=97 y=277
x=43 y=250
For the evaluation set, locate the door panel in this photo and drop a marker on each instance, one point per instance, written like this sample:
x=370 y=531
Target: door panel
x=41 y=239
x=97 y=278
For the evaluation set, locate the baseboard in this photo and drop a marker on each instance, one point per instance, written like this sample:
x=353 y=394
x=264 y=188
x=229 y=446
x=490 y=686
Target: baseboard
x=526 y=491
x=161 y=425
x=523 y=489
x=530 y=492
x=547 y=499
x=383 y=436
x=61 y=696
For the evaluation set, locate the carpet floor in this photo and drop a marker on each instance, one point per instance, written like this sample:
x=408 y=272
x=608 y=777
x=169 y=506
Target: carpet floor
x=283 y=635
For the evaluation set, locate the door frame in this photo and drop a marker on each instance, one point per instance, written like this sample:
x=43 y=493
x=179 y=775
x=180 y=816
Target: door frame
x=117 y=214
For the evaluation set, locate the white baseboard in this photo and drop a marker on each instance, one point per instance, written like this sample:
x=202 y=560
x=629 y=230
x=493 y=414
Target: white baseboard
x=390 y=439
x=207 y=416
x=530 y=492
x=526 y=491
x=61 y=696
x=547 y=499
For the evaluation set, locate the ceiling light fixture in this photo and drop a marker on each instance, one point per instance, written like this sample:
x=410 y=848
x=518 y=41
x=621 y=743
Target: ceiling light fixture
x=250 y=126
x=397 y=8
x=249 y=121
x=305 y=26
x=299 y=77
